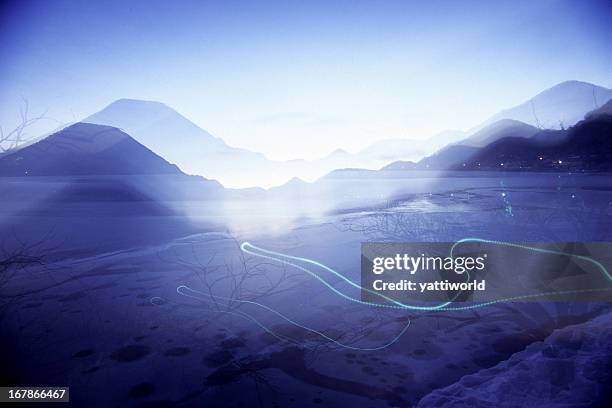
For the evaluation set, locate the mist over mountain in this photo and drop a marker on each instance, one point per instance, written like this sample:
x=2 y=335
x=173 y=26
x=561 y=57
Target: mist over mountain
x=182 y=142
x=387 y=150
x=498 y=130
x=587 y=146
x=457 y=153
x=445 y=137
x=90 y=177
x=85 y=149
x=512 y=145
x=605 y=109
x=195 y=151
x=441 y=160
x=563 y=105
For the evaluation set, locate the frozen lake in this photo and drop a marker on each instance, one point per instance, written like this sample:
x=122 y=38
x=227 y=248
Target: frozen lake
x=182 y=316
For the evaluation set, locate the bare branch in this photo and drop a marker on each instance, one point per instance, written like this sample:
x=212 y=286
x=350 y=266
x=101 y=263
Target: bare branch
x=16 y=137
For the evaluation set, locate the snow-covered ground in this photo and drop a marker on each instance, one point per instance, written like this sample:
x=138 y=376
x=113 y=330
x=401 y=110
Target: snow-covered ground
x=165 y=323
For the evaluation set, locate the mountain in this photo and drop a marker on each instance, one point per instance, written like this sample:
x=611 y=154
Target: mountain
x=337 y=154
x=94 y=189
x=153 y=123
x=561 y=106
x=388 y=150
x=195 y=151
x=605 y=109
x=587 y=146
x=512 y=145
x=402 y=165
x=498 y=130
x=94 y=153
x=443 y=159
x=85 y=149
x=97 y=189
x=182 y=142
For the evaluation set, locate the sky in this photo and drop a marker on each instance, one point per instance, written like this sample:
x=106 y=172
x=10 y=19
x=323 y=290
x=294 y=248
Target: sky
x=295 y=79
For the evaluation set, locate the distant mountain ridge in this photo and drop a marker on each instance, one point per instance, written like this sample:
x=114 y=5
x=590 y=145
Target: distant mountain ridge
x=540 y=118
x=98 y=189
x=498 y=130
x=441 y=160
x=562 y=105
x=195 y=151
x=587 y=146
x=605 y=109
x=178 y=140
x=459 y=152
x=569 y=95
x=85 y=149
x=584 y=146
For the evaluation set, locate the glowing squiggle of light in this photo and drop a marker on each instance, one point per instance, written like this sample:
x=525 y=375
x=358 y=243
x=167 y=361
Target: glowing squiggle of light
x=277 y=256
x=598 y=264
x=280 y=257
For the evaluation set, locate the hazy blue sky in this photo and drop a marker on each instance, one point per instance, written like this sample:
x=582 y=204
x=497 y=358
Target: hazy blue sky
x=298 y=79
